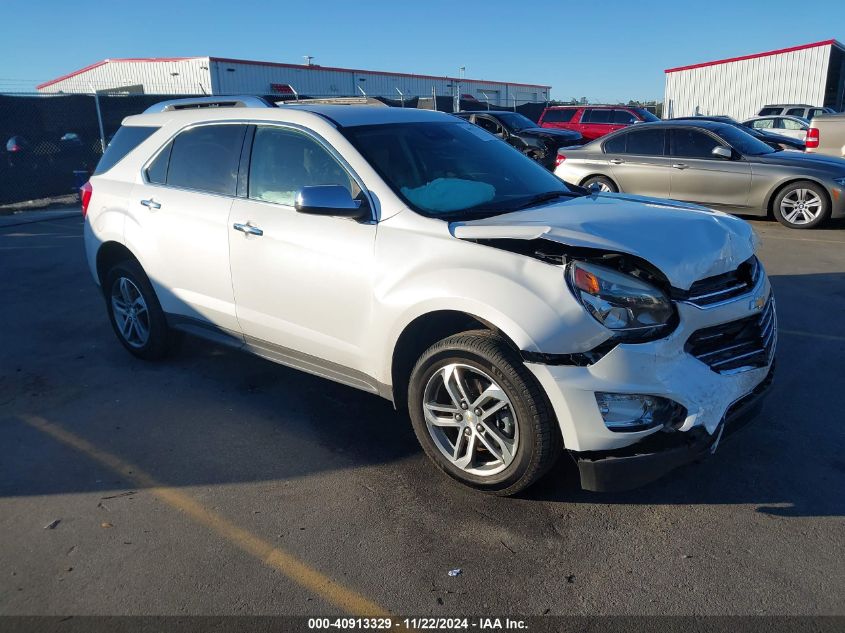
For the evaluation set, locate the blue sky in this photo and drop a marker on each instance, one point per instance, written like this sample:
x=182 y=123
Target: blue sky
x=605 y=50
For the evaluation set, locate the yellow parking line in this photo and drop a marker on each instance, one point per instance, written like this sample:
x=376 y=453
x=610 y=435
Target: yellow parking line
x=298 y=571
x=826 y=337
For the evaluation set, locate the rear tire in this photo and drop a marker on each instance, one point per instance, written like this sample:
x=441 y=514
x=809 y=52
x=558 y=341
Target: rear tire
x=802 y=205
x=601 y=184
x=499 y=443
x=135 y=313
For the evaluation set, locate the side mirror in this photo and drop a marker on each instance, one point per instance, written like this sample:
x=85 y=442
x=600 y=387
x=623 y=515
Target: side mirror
x=720 y=151
x=332 y=200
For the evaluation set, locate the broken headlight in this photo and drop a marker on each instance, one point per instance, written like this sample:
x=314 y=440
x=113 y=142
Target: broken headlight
x=632 y=308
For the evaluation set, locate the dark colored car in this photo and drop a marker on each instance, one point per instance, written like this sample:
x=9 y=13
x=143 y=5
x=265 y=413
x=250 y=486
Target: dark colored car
x=594 y=121
x=521 y=132
x=772 y=139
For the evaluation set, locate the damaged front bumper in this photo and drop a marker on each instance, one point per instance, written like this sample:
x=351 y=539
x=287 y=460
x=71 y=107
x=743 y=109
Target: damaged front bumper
x=661 y=453
x=712 y=396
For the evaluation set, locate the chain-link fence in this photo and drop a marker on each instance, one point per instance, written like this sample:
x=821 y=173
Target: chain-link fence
x=49 y=144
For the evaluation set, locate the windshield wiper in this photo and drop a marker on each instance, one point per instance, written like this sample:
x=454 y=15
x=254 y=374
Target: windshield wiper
x=544 y=197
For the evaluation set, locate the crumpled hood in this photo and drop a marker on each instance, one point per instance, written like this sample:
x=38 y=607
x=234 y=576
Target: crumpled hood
x=544 y=132
x=686 y=242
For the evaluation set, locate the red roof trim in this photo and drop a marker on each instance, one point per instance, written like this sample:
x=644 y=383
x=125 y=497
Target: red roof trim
x=779 y=51
x=370 y=72
x=107 y=61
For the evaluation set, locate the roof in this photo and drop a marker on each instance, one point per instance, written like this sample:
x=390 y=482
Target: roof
x=341 y=115
x=283 y=65
x=778 y=51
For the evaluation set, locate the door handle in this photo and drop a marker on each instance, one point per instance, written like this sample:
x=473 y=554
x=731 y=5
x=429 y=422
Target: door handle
x=151 y=204
x=616 y=161
x=679 y=165
x=248 y=229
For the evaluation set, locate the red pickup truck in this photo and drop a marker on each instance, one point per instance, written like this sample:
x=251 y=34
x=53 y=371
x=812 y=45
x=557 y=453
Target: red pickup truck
x=593 y=121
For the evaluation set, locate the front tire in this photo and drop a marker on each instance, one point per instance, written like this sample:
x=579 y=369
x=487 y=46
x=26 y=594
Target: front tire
x=802 y=205
x=135 y=313
x=480 y=415
x=601 y=184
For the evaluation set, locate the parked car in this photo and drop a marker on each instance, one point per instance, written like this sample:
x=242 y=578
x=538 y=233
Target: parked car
x=774 y=140
x=794 y=109
x=826 y=135
x=412 y=255
x=715 y=164
x=792 y=126
x=593 y=121
x=521 y=132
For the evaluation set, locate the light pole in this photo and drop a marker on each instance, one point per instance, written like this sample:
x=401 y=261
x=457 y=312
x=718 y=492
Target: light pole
x=457 y=106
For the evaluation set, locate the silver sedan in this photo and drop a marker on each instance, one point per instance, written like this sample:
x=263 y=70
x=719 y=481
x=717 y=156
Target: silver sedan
x=712 y=164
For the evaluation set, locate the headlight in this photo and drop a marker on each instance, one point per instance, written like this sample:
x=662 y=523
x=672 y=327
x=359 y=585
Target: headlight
x=630 y=307
x=839 y=181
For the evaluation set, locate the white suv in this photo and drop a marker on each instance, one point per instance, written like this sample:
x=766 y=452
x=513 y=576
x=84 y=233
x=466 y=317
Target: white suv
x=414 y=255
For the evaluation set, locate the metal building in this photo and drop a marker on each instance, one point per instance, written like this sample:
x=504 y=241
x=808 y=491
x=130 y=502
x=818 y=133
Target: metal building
x=812 y=74
x=220 y=76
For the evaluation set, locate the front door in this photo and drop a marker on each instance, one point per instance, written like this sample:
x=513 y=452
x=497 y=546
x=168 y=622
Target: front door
x=699 y=176
x=303 y=283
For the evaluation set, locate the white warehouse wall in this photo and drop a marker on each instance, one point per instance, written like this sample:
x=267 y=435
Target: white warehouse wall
x=740 y=88
x=218 y=76
x=151 y=76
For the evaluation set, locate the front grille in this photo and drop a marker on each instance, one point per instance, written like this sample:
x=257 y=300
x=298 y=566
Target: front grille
x=722 y=287
x=737 y=346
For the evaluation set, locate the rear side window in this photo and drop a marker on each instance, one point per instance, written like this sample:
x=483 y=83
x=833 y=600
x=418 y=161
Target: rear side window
x=564 y=115
x=597 y=116
x=769 y=111
x=125 y=140
x=795 y=112
x=646 y=142
x=206 y=159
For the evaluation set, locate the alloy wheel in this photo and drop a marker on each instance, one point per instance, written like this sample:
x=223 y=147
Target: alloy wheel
x=801 y=206
x=130 y=312
x=599 y=186
x=471 y=419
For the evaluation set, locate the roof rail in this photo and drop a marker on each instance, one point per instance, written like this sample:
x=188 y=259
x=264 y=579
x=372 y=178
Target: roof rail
x=191 y=103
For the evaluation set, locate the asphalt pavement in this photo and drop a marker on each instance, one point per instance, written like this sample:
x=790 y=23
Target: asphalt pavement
x=220 y=483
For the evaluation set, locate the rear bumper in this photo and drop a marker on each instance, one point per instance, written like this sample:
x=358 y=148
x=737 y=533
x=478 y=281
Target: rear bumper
x=661 y=453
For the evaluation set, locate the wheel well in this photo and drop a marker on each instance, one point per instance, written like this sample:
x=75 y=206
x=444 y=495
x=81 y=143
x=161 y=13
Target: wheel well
x=605 y=176
x=110 y=254
x=422 y=333
x=770 y=205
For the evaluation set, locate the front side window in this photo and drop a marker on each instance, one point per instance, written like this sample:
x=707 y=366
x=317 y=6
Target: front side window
x=795 y=112
x=284 y=161
x=206 y=159
x=693 y=144
x=489 y=124
x=623 y=117
x=769 y=111
x=564 y=115
x=816 y=112
x=453 y=170
x=789 y=124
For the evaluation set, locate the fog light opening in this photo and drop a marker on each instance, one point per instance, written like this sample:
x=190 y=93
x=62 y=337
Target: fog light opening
x=630 y=412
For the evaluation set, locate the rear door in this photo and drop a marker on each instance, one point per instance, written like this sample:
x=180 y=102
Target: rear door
x=180 y=212
x=639 y=163
x=791 y=127
x=596 y=122
x=698 y=176
x=560 y=118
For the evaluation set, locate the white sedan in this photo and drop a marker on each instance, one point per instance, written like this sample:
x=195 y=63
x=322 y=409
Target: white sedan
x=793 y=126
